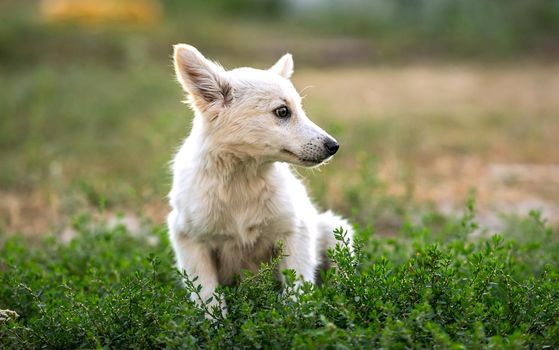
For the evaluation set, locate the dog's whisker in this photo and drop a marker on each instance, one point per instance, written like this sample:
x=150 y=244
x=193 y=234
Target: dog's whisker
x=305 y=88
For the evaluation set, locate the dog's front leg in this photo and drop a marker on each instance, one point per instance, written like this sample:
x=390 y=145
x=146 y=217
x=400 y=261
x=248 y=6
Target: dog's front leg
x=195 y=260
x=299 y=251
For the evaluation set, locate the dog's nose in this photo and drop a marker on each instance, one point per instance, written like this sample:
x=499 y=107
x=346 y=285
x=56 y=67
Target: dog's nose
x=331 y=146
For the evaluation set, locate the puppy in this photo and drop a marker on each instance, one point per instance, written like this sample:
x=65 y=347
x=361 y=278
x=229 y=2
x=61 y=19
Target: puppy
x=234 y=197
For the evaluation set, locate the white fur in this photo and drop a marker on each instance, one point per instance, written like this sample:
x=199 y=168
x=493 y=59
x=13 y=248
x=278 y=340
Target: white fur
x=233 y=196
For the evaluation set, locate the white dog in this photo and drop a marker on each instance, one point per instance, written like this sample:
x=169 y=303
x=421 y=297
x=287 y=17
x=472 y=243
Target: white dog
x=233 y=196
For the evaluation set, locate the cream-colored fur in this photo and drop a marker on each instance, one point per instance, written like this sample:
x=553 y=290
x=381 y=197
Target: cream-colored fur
x=233 y=196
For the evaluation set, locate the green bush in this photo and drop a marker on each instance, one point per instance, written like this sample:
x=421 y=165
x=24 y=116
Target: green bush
x=419 y=289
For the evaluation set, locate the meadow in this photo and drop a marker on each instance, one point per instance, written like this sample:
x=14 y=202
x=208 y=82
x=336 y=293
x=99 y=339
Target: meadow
x=421 y=289
x=448 y=167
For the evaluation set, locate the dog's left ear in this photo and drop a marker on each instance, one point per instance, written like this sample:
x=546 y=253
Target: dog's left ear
x=284 y=66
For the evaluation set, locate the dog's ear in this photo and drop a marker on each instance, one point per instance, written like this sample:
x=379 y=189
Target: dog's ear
x=203 y=79
x=284 y=66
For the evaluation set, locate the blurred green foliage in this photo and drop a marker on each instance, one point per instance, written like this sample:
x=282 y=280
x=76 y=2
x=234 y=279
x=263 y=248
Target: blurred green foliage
x=394 y=29
x=474 y=28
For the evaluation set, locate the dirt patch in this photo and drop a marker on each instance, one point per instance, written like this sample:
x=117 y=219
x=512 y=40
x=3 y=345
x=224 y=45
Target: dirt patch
x=452 y=90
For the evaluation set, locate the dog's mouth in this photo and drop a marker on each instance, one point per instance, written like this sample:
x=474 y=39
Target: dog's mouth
x=289 y=153
x=302 y=161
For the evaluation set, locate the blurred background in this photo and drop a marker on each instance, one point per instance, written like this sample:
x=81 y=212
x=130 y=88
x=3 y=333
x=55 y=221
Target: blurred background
x=431 y=100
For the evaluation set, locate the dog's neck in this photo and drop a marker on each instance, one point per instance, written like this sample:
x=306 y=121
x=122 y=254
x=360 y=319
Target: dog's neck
x=228 y=164
x=231 y=165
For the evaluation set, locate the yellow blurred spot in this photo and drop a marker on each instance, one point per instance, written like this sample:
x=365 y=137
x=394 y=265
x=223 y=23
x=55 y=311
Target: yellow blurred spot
x=101 y=11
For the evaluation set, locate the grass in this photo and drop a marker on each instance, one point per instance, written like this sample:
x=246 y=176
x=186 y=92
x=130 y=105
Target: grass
x=423 y=288
x=76 y=136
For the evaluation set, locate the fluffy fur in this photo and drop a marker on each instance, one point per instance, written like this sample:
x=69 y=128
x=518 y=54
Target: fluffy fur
x=233 y=196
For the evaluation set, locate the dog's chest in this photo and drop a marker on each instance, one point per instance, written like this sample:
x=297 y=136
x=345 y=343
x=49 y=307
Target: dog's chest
x=243 y=212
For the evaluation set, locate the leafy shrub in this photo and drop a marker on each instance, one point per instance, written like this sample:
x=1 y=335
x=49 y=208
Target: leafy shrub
x=107 y=288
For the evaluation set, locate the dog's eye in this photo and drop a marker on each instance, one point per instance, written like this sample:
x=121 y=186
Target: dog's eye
x=282 y=112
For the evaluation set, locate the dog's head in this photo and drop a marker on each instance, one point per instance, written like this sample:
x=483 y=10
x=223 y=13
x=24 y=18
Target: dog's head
x=251 y=112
